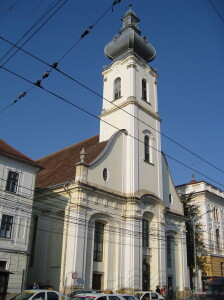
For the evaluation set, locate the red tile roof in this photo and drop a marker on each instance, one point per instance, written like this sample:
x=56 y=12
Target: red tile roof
x=11 y=152
x=59 y=167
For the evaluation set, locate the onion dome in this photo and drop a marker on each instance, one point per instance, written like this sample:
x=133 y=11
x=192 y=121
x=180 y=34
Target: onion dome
x=130 y=41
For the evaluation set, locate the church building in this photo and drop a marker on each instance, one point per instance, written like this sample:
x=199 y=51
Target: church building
x=107 y=215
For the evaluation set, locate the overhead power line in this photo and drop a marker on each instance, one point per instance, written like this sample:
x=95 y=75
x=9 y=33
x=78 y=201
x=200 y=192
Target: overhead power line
x=8 y=10
x=54 y=66
x=221 y=17
x=33 y=26
x=91 y=114
x=52 y=216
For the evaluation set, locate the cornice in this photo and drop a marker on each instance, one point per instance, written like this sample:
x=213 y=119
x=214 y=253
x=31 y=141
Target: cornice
x=169 y=213
x=130 y=100
x=136 y=197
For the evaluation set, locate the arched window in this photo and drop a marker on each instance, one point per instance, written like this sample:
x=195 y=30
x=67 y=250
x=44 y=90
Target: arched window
x=144 y=90
x=98 y=241
x=147 y=150
x=145 y=233
x=117 y=88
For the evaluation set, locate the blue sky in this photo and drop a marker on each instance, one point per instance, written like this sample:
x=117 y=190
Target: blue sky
x=188 y=37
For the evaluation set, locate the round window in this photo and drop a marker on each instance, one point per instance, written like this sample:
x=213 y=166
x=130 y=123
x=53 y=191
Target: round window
x=105 y=174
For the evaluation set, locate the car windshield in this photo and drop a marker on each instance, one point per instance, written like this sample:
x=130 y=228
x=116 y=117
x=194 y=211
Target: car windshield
x=23 y=296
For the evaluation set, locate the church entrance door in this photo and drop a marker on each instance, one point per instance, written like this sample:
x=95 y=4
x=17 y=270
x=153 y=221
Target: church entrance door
x=145 y=276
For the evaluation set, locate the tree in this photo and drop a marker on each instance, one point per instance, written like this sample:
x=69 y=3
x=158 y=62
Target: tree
x=194 y=237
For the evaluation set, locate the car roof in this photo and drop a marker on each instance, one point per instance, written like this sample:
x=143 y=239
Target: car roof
x=101 y=294
x=38 y=290
x=87 y=295
x=143 y=292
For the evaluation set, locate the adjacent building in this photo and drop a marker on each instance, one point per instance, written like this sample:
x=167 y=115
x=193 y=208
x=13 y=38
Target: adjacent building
x=17 y=183
x=210 y=201
x=107 y=213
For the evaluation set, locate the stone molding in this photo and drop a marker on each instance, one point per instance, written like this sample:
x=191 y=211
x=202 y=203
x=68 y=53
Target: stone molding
x=130 y=100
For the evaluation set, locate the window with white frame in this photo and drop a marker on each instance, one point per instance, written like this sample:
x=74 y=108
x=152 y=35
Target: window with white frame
x=6 y=226
x=146 y=148
x=144 y=90
x=145 y=233
x=117 y=88
x=12 y=182
x=98 y=241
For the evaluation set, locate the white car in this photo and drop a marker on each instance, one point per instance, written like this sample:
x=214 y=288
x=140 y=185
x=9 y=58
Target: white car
x=103 y=296
x=39 y=295
x=145 y=295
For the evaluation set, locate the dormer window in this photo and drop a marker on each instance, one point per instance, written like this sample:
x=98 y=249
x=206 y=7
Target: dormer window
x=117 y=88
x=144 y=90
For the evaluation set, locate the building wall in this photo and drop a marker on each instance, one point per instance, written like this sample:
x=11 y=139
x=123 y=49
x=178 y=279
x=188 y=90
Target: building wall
x=209 y=199
x=14 y=250
x=215 y=266
x=88 y=199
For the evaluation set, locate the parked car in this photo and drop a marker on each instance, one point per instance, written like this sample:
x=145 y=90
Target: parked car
x=196 y=297
x=103 y=296
x=146 y=295
x=39 y=295
x=82 y=292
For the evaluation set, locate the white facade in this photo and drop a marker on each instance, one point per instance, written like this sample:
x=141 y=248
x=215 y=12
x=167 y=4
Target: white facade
x=116 y=221
x=210 y=201
x=17 y=182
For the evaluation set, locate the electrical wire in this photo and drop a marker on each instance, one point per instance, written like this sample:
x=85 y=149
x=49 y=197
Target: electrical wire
x=59 y=203
x=54 y=66
x=39 y=208
x=88 y=29
x=8 y=10
x=155 y=234
x=31 y=12
x=36 y=23
x=221 y=17
x=94 y=116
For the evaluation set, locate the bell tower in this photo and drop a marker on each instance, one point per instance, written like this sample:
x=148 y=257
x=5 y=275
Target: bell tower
x=130 y=99
x=129 y=82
